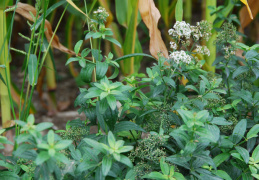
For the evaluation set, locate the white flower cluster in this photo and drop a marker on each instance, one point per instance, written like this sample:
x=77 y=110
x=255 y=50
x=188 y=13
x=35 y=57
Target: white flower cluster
x=101 y=14
x=181 y=29
x=203 y=50
x=181 y=57
x=173 y=45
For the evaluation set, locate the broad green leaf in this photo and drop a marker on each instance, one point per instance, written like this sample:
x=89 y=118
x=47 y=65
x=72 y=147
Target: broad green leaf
x=42 y=157
x=222 y=174
x=8 y=175
x=96 y=145
x=206 y=158
x=205 y=133
x=101 y=69
x=62 y=158
x=43 y=126
x=220 y=121
x=239 y=131
x=126 y=126
x=190 y=148
x=253 y=132
x=125 y=149
x=178 y=176
x=106 y=165
x=179 y=10
x=164 y=166
x=125 y=160
x=155 y=175
x=114 y=41
x=32 y=68
x=111 y=139
x=186 y=115
x=240 y=70
x=243 y=152
x=51 y=137
x=86 y=73
x=112 y=101
x=220 y=158
x=202 y=116
x=63 y=144
x=255 y=154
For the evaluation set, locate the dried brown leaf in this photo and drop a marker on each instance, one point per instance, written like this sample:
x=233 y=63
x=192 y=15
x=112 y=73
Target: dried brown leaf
x=244 y=15
x=150 y=15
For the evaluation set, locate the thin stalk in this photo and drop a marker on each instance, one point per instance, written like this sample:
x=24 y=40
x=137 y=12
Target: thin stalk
x=91 y=43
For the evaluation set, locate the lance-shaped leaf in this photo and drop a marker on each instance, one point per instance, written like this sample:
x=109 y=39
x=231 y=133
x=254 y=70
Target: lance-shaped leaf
x=32 y=67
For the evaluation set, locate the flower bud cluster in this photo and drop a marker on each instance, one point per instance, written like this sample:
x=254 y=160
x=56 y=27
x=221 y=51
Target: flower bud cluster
x=203 y=50
x=228 y=51
x=101 y=14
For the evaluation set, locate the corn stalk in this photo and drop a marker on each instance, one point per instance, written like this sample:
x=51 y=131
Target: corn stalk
x=4 y=60
x=210 y=44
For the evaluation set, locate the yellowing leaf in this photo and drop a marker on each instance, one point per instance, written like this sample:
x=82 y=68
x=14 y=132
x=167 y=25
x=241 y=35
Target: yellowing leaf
x=248 y=8
x=244 y=18
x=74 y=6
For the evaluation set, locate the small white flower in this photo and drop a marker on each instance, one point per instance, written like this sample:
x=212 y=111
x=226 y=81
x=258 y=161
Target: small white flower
x=173 y=45
x=203 y=50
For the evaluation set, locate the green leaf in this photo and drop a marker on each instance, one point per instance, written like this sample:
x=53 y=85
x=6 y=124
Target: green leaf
x=89 y=35
x=178 y=176
x=126 y=126
x=253 y=132
x=8 y=175
x=244 y=153
x=186 y=115
x=111 y=139
x=190 y=148
x=63 y=144
x=240 y=70
x=32 y=68
x=101 y=69
x=133 y=55
x=99 y=146
x=220 y=121
x=72 y=59
x=93 y=93
x=192 y=87
x=179 y=10
x=86 y=73
x=112 y=102
x=205 y=133
x=51 y=137
x=239 y=131
x=255 y=154
x=220 y=158
x=62 y=158
x=82 y=63
x=164 y=166
x=43 y=126
x=125 y=149
x=206 y=158
x=222 y=174
x=202 y=116
x=125 y=160
x=78 y=46
x=106 y=165
x=42 y=157
x=155 y=175
x=114 y=41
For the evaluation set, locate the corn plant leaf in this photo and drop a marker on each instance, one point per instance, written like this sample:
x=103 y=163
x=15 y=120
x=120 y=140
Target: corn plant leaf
x=32 y=67
x=245 y=14
x=150 y=16
x=74 y=6
x=2 y=79
x=121 y=7
x=179 y=10
x=248 y=8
